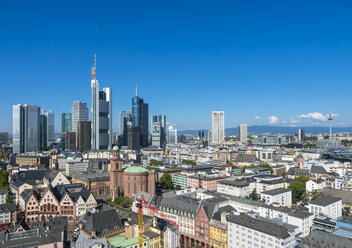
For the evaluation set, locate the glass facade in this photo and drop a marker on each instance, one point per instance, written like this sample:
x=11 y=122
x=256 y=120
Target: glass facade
x=43 y=132
x=136 y=111
x=79 y=113
x=66 y=122
x=18 y=129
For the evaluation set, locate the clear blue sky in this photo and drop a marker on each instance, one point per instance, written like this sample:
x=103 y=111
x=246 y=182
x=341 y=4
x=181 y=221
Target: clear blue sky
x=286 y=62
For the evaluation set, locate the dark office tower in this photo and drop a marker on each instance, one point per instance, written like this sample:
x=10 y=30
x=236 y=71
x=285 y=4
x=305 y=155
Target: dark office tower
x=68 y=141
x=4 y=137
x=105 y=125
x=26 y=128
x=66 y=122
x=140 y=118
x=134 y=134
x=158 y=130
x=201 y=135
x=301 y=135
x=43 y=132
x=125 y=117
x=84 y=136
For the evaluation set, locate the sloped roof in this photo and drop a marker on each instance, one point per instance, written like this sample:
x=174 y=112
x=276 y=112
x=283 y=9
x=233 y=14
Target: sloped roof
x=324 y=239
x=245 y=158
x=318 y=170
x=103 y=221
x=181 y=203
x=135 y=169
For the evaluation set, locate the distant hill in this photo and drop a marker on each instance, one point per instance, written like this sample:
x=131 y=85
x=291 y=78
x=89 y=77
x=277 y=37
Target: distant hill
x=274 y=130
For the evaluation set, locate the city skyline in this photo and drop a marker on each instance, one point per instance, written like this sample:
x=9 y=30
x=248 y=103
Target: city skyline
x=297 y=53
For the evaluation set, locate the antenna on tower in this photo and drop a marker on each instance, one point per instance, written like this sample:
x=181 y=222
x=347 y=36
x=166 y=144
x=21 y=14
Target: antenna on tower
x=136 y=90
x=95 y=60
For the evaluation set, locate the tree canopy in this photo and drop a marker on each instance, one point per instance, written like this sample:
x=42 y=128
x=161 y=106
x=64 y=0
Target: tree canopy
x=4 y=179
x=298 y=187
x=254 y=196
x=166 y=181
x=155 y=162
x=188 y=161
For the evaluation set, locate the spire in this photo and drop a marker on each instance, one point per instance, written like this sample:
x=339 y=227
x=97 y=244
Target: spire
x=94 y=70
x=136 y=90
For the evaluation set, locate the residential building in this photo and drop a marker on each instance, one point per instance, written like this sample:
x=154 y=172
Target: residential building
x=66 y=122
x=280 y=196
x=180 y=180
x=328 y=206
x=314 y=185
x=26 y=128
x=79 y=113
x=248 y=232
x=242 y=133
x=217 y=127
x=235 y=188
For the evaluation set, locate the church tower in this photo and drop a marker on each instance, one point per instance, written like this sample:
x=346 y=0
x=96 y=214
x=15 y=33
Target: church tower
x=116 y=177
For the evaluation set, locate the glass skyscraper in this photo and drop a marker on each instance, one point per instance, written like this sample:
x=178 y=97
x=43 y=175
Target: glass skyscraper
x=140 y=118
x=66 y=122
x=158 y=130
x=79 y=113
x=125 y=118
x=26 y=128
x=43 y=132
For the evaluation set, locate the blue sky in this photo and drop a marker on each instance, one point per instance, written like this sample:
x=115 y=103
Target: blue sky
x=262 y=62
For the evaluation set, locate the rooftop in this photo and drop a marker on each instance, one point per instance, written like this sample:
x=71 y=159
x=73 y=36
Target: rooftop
x=275 y=191
x=325 y=201
x=135 y=169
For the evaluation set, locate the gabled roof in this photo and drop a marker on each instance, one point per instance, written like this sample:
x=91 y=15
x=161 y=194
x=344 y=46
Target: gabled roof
x=181 y=203
x=103 y=221
x=209 y=209
x=73 y=190
x=245 y=158
x=297 y=171
x=7 y=207
x=318 y=238
x=318 y=170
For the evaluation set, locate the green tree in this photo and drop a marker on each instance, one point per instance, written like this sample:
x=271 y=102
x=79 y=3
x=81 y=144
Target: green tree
x=347 y=210
x=298 y=187
x=254 y=196
x=4 y=179
x=188 y=161
x=178 y=187
x=155 y=162
x=166 y=181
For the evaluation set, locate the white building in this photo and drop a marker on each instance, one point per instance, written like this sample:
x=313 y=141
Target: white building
x=242 y=133
x=280 y=196
x=244 y=231
x=328 y=206
x=217 y=127
x=234 y=188
x=312 y=185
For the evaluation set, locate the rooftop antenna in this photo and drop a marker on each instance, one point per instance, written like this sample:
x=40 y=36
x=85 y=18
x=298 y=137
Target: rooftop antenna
x=330 y=119
x=136 y=90
x=95 y=60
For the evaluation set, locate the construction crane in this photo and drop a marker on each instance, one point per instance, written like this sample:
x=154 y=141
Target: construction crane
x=140 y=203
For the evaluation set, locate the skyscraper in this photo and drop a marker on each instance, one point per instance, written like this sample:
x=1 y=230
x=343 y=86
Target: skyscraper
x=140 y=118
x=301 y=135
x=172 y=136
x=101 y=110
x=125 y=117
x=26 y=128
x=66 y=122
x=43 y=132
x=217 y=127
x=242 y=133
x=158 y=130
x=83 y=136
x=50 y=125
x=79 y=113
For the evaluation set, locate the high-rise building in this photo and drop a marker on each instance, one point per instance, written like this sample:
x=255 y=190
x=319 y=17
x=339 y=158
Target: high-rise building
x=101 y=110
x=84 y=136
x=4 y=137
x=301 y=135
x=125 y=117
x=66 y=122
x=79 y=113
x=201 y=135
x=158 y=131
x=50 y=125
x=26 y=128
x=172 y=136
x=217 y=127
x=134 y=137
x=43 y=132
x=140 y=116
x=105 y=121
x=242 y=133
x=68 y=141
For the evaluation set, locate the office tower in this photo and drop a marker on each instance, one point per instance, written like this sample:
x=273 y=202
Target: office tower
x=101 y=110
x=134 y=137
x=105 y=122
x=140 y=118
x=43 y=132
x=4 y=137
x=50 y=125
x=125 y=117
x=26 y=128
x=172 y=136
x=217 y=127
x=301 y=135
x=201 y=135
x=242 y=133
x=156 y=134
x=68 y=141
x=161 y=119
x=84 y=136
x=66 y=122
x=95 y=108
x=79 y=113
